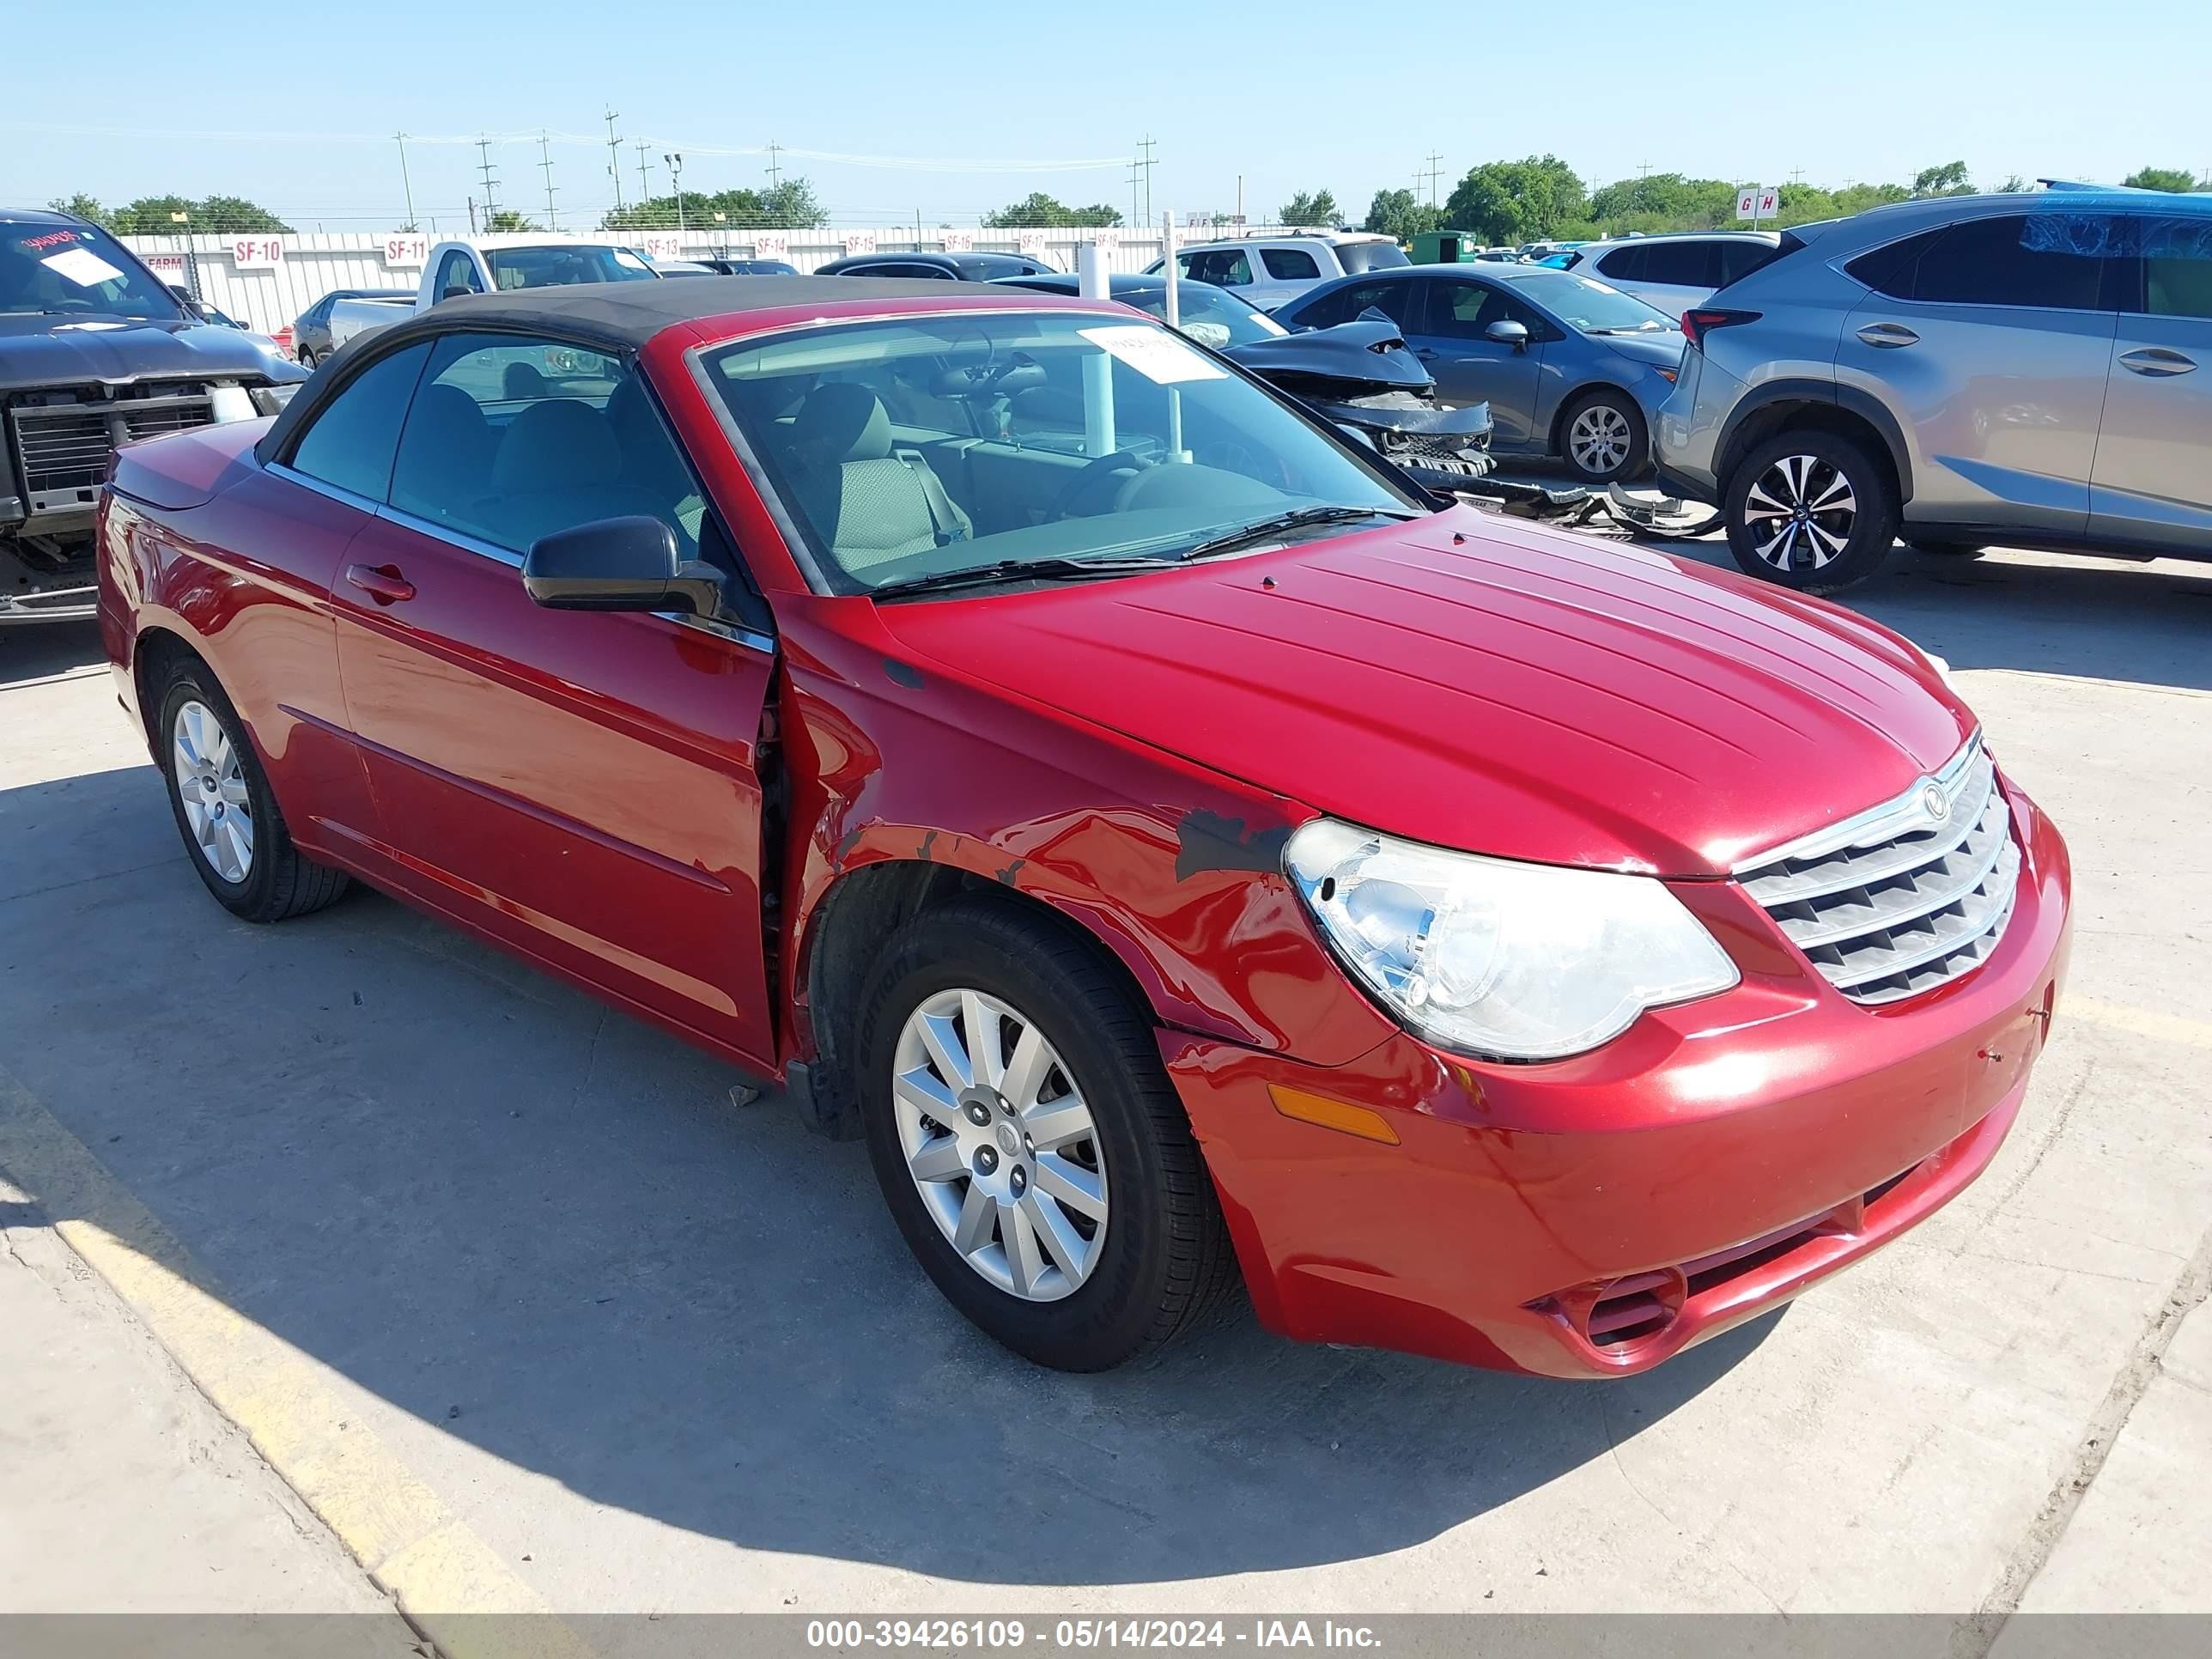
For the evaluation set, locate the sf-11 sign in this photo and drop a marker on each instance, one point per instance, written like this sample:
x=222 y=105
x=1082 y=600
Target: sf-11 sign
x=406 y=250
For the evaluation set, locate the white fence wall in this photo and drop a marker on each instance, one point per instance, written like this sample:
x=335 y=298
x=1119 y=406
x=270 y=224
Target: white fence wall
x=265 y=281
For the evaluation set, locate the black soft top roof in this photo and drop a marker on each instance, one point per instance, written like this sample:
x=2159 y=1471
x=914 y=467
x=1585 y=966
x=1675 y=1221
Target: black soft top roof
x=614 y=317
x=628 y=315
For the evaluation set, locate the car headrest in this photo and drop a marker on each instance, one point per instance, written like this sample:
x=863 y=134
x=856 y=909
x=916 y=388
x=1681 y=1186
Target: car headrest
x=449 y=414
x=560 y=444
x=843 y=422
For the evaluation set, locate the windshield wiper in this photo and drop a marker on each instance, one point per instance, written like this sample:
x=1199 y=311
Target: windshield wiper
x=1261 y=529
x=1014 y=570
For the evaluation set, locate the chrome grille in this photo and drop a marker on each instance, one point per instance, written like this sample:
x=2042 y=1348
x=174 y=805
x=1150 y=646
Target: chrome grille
x=62 y=449
x=1901 y=898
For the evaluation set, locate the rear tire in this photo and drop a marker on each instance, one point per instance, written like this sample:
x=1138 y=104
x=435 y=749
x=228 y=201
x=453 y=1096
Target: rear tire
x=234 y=834
x=1811 y=511
x=961 y=1170
x=1602 y=437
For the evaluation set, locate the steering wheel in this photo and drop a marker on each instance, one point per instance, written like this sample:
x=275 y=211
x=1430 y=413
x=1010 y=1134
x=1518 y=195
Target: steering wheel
x=1087 y=480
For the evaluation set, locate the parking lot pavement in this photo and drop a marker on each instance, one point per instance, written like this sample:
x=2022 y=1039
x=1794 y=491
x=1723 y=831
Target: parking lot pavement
x=656 y=1351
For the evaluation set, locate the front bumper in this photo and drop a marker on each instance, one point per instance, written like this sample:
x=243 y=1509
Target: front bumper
x=1592 y=1217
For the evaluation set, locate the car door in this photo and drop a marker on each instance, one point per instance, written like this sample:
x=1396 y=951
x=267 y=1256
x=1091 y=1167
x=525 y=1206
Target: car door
x=581 y=785
x=1992 y=342
x=1450 y=336
x=2152 y=480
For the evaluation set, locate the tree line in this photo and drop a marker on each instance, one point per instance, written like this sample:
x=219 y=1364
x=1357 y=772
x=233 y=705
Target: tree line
x=1541 y=199
x=157 y=215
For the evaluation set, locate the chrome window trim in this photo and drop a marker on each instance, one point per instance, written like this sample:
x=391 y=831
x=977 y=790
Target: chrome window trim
x=1901 y=815
x=291 y=474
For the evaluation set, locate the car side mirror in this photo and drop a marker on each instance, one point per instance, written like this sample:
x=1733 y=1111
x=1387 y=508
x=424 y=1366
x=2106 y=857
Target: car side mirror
x=619 y=564
x=453 y=291
x=1508 y=333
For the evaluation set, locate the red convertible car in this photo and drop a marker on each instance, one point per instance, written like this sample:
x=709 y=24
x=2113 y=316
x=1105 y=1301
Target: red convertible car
x=1178 y=848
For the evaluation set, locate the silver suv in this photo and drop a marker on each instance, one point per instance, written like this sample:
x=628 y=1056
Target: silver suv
x=1267 y=270
x=1962 y=371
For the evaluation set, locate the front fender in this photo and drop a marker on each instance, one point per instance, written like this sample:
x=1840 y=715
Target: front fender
x=1176 y=870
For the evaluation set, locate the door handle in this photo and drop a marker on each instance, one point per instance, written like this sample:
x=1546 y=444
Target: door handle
x=1888 y=335
x=1425 y=354
x=2156 y=361
x=382 y=582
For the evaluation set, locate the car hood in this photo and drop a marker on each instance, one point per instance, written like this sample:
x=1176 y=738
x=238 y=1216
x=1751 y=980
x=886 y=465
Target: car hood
x=36 y=351
x=1663 y=347
x=1489 y=687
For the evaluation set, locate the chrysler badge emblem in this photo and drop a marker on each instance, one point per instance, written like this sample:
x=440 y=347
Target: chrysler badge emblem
x=1935 y=803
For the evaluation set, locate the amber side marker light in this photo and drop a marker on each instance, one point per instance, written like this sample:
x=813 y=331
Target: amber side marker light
x=1332 y=1114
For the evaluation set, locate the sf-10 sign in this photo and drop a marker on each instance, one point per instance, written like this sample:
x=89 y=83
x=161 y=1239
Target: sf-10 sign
x=258 y=252
x=1760 y=202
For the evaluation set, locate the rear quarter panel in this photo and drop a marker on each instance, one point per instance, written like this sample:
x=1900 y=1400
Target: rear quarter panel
x=241 y=579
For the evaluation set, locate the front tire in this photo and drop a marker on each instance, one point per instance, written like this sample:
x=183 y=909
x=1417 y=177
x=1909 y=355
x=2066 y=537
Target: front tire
x=1602 y=437
x=234 y=834
x=1811 y=511
x=1029 y=1143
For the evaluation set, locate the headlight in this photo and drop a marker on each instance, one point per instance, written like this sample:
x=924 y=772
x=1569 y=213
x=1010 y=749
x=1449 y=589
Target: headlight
x=268 y=400
x=1488 y=957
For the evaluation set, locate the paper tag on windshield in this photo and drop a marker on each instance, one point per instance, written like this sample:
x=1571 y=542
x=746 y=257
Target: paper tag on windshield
x=81 y=266
x=1159 y=356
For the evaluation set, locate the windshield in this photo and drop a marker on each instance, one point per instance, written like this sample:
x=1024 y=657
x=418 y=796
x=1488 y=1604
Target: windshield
x=908 y=449
x=1592 y=307
x=1212 y=316
x=1356 y=257
x=553 y=267
x=75 y=269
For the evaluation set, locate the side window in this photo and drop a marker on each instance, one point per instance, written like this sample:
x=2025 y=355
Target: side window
x=319 y=313
x=1682 y=265
x=2053 y=260
x=2177 y=255
x=350 y=441
x=1465 y=311
x=1891 y=270
x=455 y=271
x=512 y=437
x=1739 y=259
x=1288 y=264
x=1623 y=264
x=1395 y=300
x=1225 y=267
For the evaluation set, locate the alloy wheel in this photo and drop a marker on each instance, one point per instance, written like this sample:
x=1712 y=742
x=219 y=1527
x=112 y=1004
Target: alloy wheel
x=1000 y=1144
x=211 y=787
x=1599 y=438
x=1801 y=512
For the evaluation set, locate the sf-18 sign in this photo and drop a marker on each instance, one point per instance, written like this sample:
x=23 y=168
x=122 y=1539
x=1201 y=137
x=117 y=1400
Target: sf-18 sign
x=1760 y=202
x=258 y=252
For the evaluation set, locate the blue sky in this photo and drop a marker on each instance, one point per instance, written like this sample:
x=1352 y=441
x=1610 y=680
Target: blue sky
x=1292 y=95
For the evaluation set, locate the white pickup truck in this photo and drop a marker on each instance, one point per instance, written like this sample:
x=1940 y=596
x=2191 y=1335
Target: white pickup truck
x=492 y=264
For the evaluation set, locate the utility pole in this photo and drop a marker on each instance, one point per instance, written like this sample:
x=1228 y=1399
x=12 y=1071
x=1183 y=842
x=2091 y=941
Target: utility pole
x=772 y=179
x=675 y=160
x=1435 y=173
x=491 y=194
x=472 y=215
x=1136 y=212
x=1147 y=160
x=404 y=183
x=545 y=163
x=644 y=184
x=614 y=158
x=1240 y=204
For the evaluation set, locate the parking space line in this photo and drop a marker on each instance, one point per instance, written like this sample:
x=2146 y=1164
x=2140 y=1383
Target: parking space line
x=441 y=1574
x=2139 y=1022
